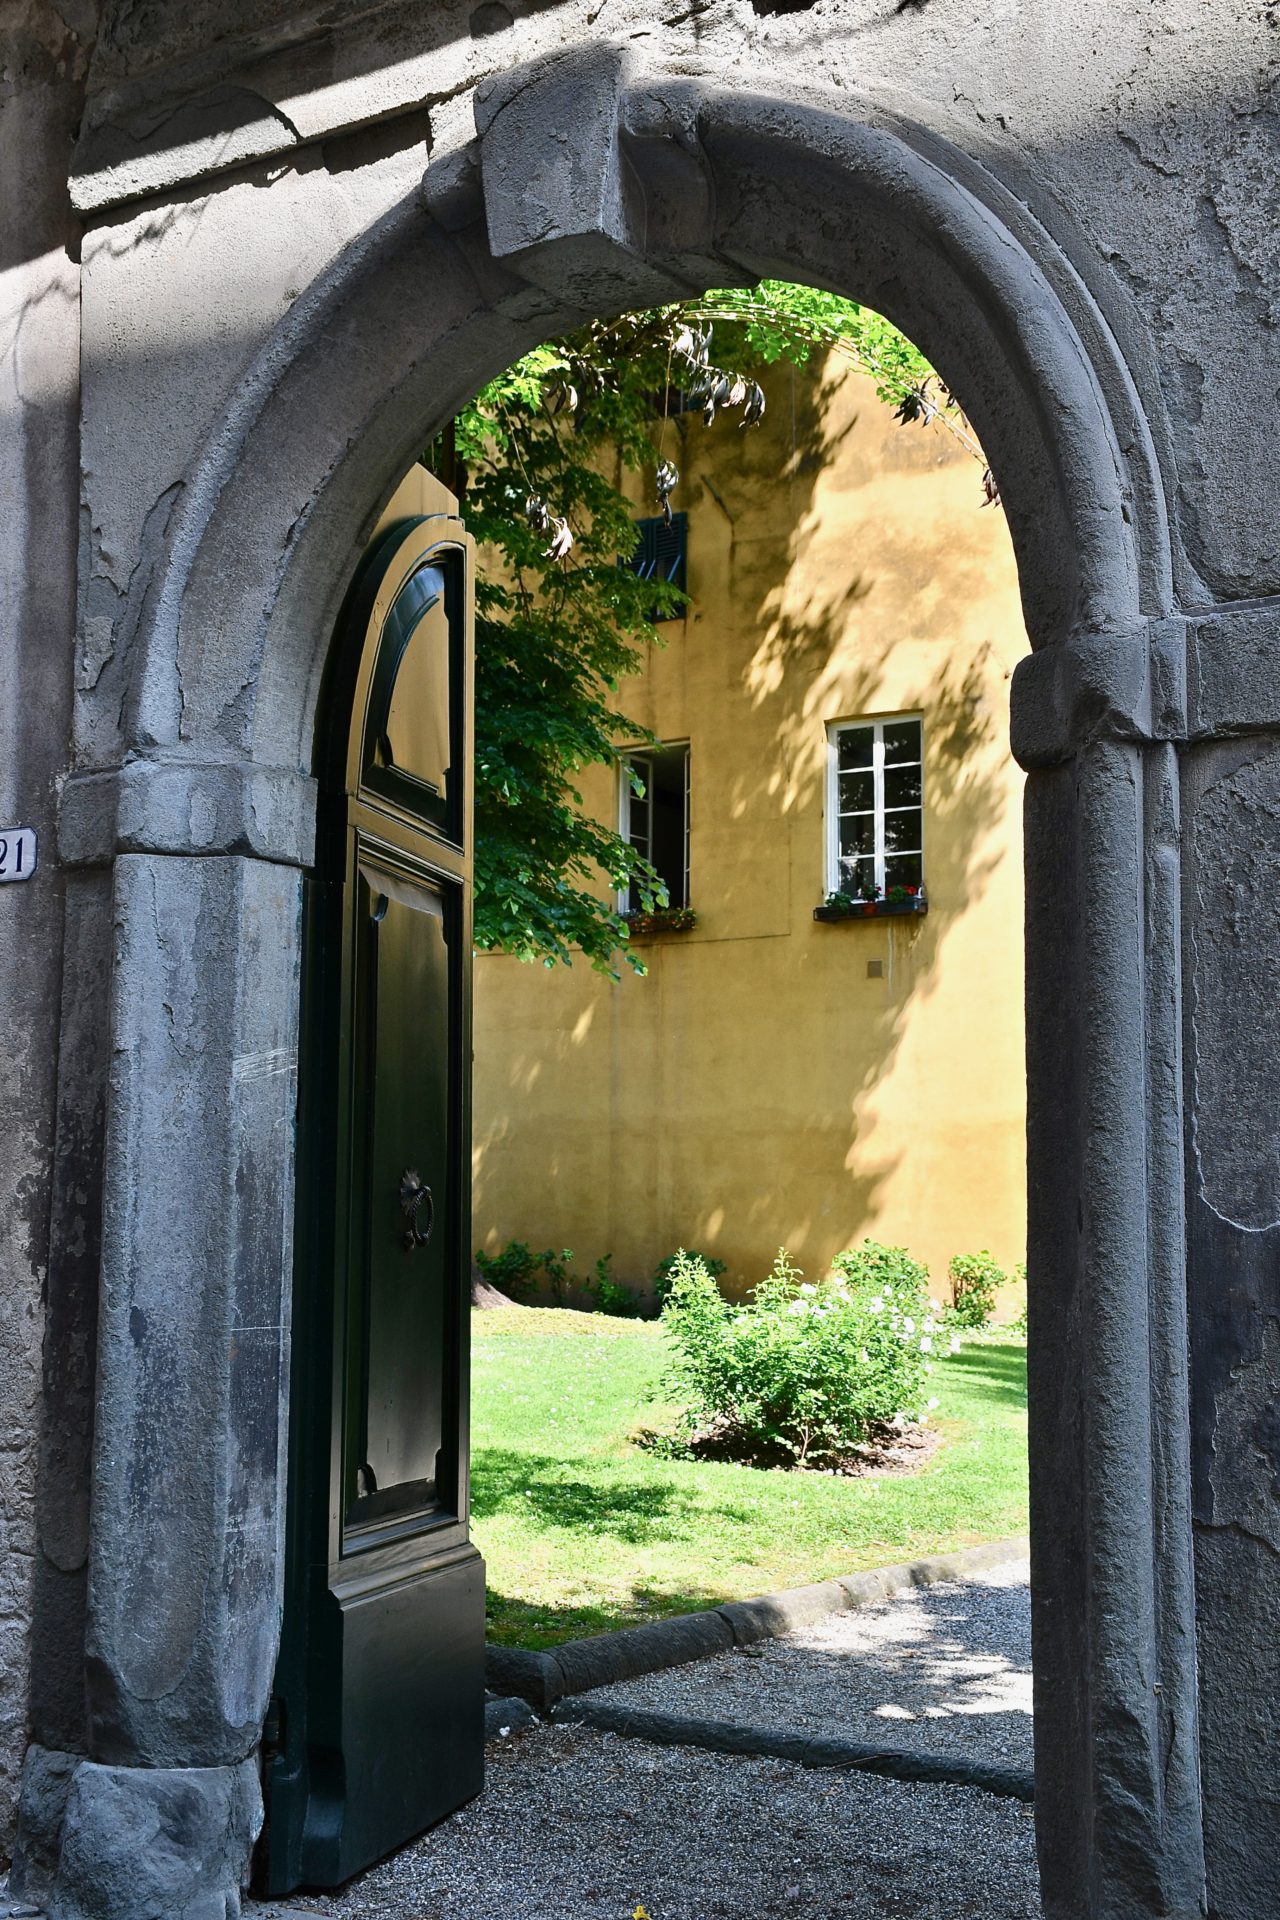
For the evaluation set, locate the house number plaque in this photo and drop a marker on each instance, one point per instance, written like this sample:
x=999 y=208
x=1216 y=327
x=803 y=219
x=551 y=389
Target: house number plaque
x=17 y=853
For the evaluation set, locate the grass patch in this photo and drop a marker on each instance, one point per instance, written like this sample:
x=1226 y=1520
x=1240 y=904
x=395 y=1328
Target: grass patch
x=583 y=1531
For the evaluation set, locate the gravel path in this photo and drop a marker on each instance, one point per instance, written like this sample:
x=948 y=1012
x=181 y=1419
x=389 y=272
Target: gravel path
x=585 y=1826
x=945 y=1667
x=579 y=1825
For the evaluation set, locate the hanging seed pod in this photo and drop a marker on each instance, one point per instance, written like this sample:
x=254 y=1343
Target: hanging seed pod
x=535 y=512
x=915 y=404
x=753 y=411
x=561 y=540
x=717 y=397
x=990 y=490
x=666 y=480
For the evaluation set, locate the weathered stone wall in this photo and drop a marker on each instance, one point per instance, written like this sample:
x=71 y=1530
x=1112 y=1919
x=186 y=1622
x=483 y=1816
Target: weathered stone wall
x=44 y=56
x=242 y=176
x=1144 y=138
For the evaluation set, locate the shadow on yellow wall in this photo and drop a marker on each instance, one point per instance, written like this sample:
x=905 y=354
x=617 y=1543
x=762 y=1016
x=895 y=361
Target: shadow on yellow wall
x=772 y=1080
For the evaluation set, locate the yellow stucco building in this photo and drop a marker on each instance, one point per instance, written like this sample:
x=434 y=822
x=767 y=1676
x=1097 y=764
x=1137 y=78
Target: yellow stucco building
x=773 y=1079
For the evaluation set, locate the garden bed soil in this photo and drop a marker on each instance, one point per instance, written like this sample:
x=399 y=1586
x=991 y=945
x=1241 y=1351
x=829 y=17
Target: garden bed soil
x=887 y=1449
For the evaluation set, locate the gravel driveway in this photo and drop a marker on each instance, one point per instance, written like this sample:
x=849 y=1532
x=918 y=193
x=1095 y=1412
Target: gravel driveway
x=586 y=1826
x=580 y=1825
x=946 y=1667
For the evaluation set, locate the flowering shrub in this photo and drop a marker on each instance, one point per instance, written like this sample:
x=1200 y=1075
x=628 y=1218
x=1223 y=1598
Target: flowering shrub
x=664 y=1272
x=801 y=1374
x=975 y=1279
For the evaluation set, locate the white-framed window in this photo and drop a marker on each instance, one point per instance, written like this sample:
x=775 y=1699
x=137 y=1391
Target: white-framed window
x=656 y=820
x=875 y=805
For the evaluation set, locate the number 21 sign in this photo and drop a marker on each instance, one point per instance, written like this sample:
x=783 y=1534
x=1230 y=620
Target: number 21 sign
x=17 y=853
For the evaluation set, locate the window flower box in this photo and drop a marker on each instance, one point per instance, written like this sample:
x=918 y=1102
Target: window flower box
x=661 y=920
x=846 y=906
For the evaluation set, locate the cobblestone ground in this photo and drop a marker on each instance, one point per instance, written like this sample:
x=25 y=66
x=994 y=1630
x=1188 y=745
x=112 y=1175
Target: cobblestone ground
x=580 y=1825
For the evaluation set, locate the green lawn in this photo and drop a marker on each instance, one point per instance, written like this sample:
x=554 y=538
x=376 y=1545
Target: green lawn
x=582 y=1530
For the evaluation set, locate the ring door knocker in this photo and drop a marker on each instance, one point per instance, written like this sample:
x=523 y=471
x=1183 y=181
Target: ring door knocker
x=415 y=1196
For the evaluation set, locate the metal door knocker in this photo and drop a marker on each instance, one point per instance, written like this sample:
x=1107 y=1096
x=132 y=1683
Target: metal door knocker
x=414 y=1196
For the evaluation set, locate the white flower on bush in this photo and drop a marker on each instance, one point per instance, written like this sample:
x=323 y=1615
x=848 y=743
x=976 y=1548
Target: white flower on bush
x=908 y=1325
x=877 y=1305
x=955 y=1343
x=933 y=1402
x=806 y=1288
x=926 y=1344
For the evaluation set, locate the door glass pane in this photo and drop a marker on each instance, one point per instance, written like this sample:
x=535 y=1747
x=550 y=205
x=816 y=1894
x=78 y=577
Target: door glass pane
x=415 y=732
x=857 y=792
x=854 y=746
x=902 y=786
x=901 y=741
x=902 y=870
x=902 y=831
x=858 y=833
x=857 y=876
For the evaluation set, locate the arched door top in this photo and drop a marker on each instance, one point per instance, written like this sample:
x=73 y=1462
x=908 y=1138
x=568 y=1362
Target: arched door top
x=406 y=695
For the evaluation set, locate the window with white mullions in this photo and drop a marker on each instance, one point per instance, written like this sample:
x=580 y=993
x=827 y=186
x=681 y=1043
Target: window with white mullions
x=875 y=806
x=656 y=820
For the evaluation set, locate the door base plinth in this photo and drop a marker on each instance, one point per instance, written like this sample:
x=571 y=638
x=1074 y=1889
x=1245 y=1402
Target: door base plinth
x=395 y=1743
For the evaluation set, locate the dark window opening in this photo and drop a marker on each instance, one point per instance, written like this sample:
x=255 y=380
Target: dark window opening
x=656 y=821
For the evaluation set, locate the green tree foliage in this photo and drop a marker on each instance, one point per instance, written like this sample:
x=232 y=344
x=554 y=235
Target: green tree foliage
x=539 y=455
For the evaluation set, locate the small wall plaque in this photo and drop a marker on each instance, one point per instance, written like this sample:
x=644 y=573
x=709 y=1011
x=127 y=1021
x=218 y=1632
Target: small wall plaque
x=17 y=853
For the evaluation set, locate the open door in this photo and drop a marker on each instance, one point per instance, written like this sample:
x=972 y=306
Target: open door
x=377 y=1725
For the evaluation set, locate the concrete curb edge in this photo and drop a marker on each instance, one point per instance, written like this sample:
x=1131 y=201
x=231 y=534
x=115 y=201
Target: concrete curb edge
x=580 y=1666
x=722 y=1736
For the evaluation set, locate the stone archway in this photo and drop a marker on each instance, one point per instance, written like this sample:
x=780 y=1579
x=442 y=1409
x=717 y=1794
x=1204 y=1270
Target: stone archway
x=193 y=788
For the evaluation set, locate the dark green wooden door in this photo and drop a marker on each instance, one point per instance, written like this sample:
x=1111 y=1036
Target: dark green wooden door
x=377 y=1725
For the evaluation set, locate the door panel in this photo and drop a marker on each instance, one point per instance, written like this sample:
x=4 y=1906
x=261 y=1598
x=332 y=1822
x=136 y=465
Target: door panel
x=395 y=1448
x=377 y=1727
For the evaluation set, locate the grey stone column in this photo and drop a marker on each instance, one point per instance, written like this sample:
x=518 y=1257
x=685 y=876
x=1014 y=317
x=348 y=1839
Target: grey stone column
x=1117 y=1762
x=1232 y=896
x=186 y=1524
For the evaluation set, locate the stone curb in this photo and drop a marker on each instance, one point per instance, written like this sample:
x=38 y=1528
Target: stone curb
x=722 y=1736
x=579 y=1666
x=502 y=1717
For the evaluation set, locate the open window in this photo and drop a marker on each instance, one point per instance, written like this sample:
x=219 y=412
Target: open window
x=656 y=819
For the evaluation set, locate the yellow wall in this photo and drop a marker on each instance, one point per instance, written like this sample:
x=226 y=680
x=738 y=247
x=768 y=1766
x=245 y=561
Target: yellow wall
x=757 y=1088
